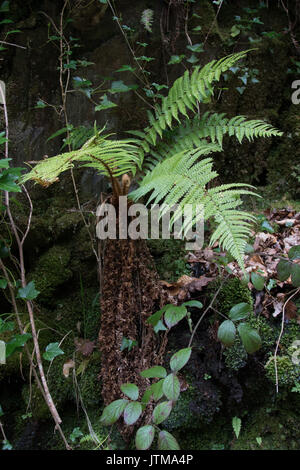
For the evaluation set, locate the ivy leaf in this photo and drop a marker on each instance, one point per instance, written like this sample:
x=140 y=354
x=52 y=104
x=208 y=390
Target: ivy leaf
x=132 y=412
x=131 y=390
x=226 y=332
x=6 y=445
x=113 y=411
x=159 y=327
x=6 y=326
x=154 y=319
x=105 y=104
x=174 y=314
x=120 y=87
x=128 y=344
x=17 y=343
x=8 y=182
x=162 y=411
x=195 y=47
x=176 y=59
x=171 y=387
x=76 y=433
x=167 y=442
x=154 y=372
x=144 y=437
x=29 y=292
x=283 y=270
x=258 y=281
x=236 y=424
x=239 y=311
x=180 y=358
x=40 y=104
x=296 y=275
x=241 y=89
x=250 y=337
x=126 y=68
x=52 y=351
x=294 y=252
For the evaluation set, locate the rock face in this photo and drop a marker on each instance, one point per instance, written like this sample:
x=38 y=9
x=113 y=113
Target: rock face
x=58 y=249
x=32 y=74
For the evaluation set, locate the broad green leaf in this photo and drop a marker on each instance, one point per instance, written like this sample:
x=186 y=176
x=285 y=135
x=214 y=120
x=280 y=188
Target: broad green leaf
x=8 y=182
x=162 y=411
x=258 y=281
x=226 y=332
x=3 y=283
x=236 y=424
x=29 y=292
x=284 y=270
x=131 y=390
x=157 y=389
x=128 y=344
x=17 y=343
x=6 y=445
x=193 y=303
x=296 y=275
x=180 y=358
x=76 y=433
x=119 y=86
x=126 y=68
x=146 y=397
x=4 y=251
x=159 y=327
x=105 y=103
x=154 y=372
x=250 y=337
x=154 y=319
x=239 y=311
x=132 y=412
x=52 y=351
x=6 y=326
x=171 y=387
x=294 y=252
x=176 y=59
x=144 y=437
x=267 y=227
x=167 y=442
x=113 y=411
x=174 y=314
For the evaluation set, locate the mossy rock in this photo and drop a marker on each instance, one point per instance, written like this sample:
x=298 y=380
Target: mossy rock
x=51 y=271
x=233 y=292
x=169 y=258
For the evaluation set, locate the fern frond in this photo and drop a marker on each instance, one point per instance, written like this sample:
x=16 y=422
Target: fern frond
x=213 y=127
x=182 y=179
x=185 y=93
x=109 y=157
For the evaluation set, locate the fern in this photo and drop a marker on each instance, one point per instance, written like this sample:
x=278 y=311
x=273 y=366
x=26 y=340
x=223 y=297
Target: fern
x=112 y=158
x=182 y=179
x=179 y=174
x=147 y=19
x=213 y=127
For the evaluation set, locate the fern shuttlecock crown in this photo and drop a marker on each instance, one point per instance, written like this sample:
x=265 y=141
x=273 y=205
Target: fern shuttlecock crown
x=177 y=171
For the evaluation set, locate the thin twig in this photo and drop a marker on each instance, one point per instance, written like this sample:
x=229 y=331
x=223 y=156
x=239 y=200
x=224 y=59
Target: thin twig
x=280 y=336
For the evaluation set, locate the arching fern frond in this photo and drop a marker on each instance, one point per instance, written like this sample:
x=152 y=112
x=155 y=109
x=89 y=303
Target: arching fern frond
x=112 y=158
x=183 y=179
x=185 y=93
x=211 y=127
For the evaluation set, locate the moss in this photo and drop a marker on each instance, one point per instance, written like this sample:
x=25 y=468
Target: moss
x=169 y=258
x=51 y=271
x=233 y=292
x=89 y=383
x=235 y=356
x=266 y=330
x=278 y=430
x=288 y=372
